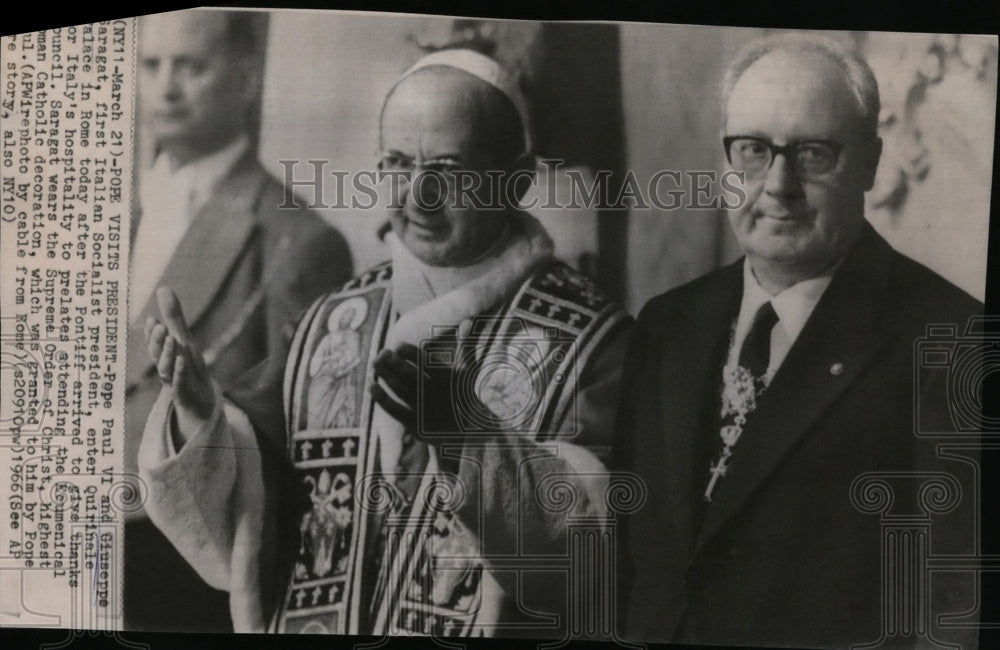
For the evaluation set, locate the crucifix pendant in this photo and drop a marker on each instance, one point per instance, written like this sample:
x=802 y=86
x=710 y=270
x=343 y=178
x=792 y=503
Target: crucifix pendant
x=718 y=470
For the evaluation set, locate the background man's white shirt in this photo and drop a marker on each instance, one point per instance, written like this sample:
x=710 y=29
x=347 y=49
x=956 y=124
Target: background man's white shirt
x=170 y=199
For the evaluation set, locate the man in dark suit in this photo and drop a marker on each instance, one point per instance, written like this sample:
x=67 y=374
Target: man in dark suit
x=769 y=407
x=212 y=227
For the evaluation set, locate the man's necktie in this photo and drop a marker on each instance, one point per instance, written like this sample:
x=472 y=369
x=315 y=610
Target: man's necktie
x=743 y=388
x=755 y=355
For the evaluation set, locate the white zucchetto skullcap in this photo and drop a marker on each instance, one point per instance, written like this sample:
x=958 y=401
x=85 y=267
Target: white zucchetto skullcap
x=485 y=68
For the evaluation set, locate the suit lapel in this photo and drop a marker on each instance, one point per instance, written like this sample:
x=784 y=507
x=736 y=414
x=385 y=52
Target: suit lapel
x=690 y=377
x=209 y=249
x=849 y=326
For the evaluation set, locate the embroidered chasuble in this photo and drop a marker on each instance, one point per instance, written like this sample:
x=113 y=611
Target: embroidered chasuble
x=385 y=549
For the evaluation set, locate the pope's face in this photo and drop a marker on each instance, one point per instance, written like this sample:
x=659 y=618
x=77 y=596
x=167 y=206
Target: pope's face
x=793 y=217
x=191 y=91
x=428 y=122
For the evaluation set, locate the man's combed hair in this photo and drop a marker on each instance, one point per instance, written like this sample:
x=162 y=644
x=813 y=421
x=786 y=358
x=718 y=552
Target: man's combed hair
x=244 y=32
x=857 y=73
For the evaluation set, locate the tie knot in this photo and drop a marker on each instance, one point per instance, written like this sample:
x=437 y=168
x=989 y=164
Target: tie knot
x=756 y=352
x=766 y=316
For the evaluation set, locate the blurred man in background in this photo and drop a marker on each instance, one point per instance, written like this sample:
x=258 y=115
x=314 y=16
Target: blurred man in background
x=209 y=225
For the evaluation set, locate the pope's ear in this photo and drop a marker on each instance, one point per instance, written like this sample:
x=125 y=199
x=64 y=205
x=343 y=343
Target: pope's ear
x=872 y=154
x=525 y=162
x=522 y=171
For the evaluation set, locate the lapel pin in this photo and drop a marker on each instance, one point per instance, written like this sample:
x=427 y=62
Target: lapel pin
x=836 y=369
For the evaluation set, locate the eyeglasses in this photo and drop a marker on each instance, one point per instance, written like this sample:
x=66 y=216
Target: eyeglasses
x=754 y=156
x=397 y=162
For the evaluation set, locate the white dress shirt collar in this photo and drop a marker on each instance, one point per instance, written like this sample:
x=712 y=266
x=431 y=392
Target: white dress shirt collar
x=170 y=200
x=197 y=180
x=794 y=305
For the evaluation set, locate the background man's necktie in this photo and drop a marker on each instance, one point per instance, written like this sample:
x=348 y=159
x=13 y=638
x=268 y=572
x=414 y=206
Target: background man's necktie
x=744 y=387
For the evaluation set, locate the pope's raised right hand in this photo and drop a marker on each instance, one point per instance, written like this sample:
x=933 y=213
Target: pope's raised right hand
x=178 y=362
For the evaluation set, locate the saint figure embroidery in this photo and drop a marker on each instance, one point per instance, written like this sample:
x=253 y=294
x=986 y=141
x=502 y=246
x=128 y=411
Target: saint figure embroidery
x=334 y=386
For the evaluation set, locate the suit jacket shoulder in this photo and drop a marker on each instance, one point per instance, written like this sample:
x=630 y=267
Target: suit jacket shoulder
x=925 y=295
x=713 y=286
x=278 y=208
x=279 y=213
x=309 y=256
